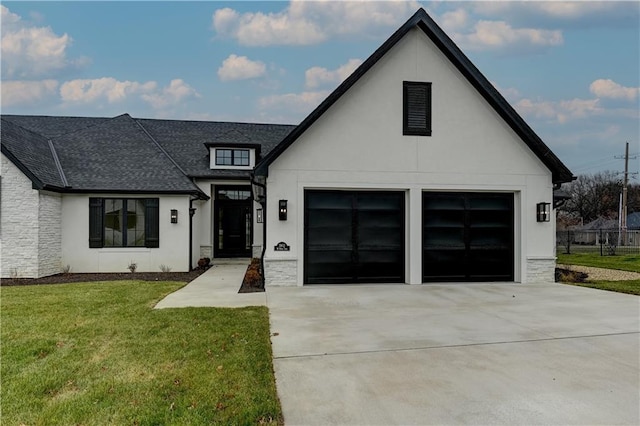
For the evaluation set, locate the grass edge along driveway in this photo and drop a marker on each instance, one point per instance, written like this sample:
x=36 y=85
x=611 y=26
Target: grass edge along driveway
x=630 y=262
x=97 y=353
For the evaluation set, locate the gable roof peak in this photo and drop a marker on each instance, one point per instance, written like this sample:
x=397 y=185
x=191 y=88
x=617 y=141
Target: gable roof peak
x=422 y=20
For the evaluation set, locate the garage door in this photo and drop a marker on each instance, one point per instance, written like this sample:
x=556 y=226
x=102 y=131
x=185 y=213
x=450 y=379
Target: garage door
x=353 y=237
x=467 y=237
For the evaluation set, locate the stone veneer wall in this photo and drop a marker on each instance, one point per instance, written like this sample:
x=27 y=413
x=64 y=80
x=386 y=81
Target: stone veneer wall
x=280 y=272
x=49 y=234
x=30 y=227
x=19 y=224
x=541 y=270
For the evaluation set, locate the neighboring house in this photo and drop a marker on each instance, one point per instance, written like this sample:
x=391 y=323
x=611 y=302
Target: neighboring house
x=633 y=221
x=415 y=169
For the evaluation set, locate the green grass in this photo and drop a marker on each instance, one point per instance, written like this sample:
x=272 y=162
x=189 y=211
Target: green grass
x=96 y=354
x=630 y=287
x=629 y=262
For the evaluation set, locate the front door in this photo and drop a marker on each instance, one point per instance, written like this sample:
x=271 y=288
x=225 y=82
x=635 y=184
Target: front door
x=233 y=221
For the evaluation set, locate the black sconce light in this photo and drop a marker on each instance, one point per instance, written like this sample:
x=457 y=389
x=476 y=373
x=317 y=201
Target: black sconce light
x=259 y=218
x=543 y=212
x=283 y=209
x=174 y=216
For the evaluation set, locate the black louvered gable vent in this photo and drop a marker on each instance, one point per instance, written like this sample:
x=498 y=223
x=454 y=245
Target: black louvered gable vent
x=417 y=108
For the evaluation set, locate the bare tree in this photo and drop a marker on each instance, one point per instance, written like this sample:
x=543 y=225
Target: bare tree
x=598 y=195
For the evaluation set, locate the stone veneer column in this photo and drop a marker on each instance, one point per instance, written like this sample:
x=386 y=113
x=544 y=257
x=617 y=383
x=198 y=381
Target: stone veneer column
x=541 y=269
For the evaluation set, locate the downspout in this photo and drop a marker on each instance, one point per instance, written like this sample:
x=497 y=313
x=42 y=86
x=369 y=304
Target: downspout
x=192 y=212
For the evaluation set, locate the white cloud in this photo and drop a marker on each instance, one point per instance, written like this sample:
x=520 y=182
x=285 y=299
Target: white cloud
x=305 y=23
x=176 y=92
x=110 y=90
x=510 y=93
x=240 y=68
x=304 y=101
x=100 y=89
x=16 y=93
x=610 y=89
x=29 y=51
x=318 y=76
x=500 y=36
x=454 y=20
x=560 y=111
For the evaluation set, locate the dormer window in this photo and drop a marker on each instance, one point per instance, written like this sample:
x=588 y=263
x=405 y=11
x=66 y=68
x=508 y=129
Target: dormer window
x=232 y=157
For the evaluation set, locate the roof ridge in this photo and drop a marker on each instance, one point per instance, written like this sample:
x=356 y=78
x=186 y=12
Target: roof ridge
x=216 y=122
x=56 y=161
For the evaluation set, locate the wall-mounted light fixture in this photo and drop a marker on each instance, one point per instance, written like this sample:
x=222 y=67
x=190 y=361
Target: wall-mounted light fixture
x=282 y=204
x=543 y=212
x=174 y=216
x=259 y=218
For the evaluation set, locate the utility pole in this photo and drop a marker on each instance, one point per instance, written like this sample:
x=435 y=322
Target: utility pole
x=623 y=215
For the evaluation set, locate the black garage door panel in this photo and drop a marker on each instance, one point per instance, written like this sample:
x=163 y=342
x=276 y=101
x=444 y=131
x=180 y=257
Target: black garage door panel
x=353 y=237
x=467 y=237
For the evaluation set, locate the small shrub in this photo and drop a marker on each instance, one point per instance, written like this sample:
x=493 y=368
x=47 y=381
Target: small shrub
x=66 y=269
x=569 y=276
x=204 y=262
x=132 y=267
x=165 y=268
x=13 y=274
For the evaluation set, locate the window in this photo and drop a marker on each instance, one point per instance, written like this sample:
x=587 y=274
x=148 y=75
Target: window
x=232 y=157
x=416 y=108
x=123 y=222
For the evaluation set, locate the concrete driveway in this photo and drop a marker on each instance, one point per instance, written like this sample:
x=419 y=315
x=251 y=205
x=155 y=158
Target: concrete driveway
x=456 y=354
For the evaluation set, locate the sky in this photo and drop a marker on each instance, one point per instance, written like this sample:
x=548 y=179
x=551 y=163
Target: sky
x=570 y=69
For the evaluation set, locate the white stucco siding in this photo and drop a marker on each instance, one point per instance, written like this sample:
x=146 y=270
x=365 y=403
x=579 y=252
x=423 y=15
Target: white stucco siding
x=358 y=144
x=19 y=231
x=362 y=131
x=174 y=238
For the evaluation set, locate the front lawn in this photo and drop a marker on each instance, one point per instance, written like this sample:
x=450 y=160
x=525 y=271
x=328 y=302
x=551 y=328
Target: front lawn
x=631 y=287
x=99 y=354
x=629 y=262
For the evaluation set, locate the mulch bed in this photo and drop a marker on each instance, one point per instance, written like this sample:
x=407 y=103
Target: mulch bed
x=567 y=275
x=252 y=282
x=115 y=276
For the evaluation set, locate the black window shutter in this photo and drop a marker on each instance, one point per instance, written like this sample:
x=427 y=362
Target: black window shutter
x=417 y=108
x=152 y=222
x=96 y=226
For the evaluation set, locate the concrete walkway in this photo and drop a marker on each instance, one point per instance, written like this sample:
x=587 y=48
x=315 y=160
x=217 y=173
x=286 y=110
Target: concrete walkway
x=218 y=287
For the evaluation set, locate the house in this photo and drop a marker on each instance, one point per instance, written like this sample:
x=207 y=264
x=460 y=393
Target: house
x=415 y=169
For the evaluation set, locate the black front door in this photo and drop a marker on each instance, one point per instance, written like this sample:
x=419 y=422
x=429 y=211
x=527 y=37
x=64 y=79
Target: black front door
x=233 y=222
x=354 y=237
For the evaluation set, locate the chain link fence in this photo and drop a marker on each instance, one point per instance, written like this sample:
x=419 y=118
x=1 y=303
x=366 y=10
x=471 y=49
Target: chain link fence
x=607 y=242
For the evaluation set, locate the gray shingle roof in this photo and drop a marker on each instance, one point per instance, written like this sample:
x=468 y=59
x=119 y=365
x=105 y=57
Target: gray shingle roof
x=184 y=141
x=50 y=126
x=31 y=153
x=117 y=155
x=125 y=154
